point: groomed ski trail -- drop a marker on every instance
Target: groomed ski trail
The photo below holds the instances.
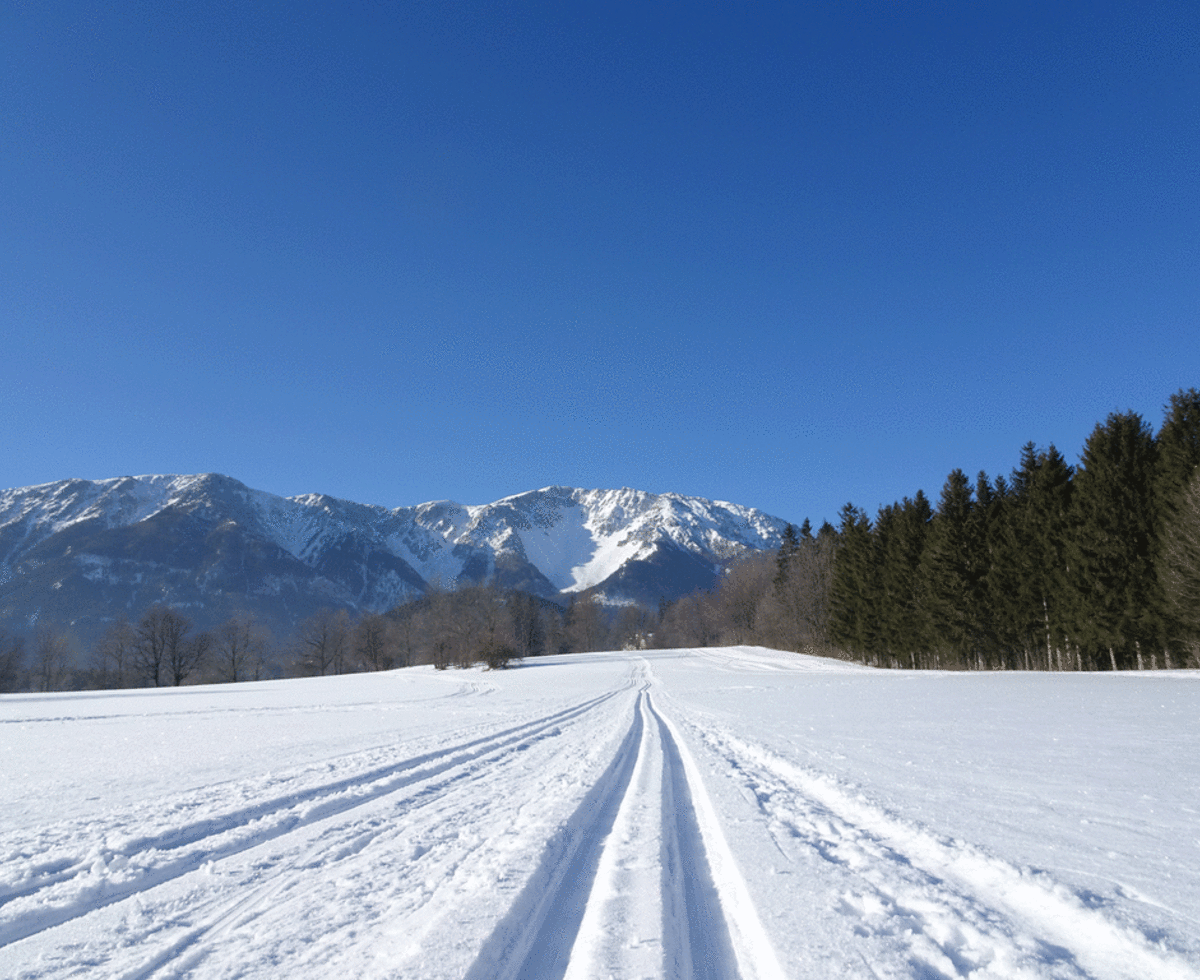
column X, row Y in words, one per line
column 960, row 911
column 639, row 883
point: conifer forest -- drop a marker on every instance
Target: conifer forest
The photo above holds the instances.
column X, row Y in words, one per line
column 1094, row 566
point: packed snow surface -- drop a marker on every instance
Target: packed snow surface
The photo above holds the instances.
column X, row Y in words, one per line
column 697, row 813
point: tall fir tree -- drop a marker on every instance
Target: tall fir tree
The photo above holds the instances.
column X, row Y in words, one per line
column 950, row 570
column 1178, row 448
column 1028, row 573
column 854, row 594
column 905, row 625
column 1178, row 569
column 1111, row 550
column 1178, row 459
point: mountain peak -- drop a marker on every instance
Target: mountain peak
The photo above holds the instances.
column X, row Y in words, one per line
column 86, row 551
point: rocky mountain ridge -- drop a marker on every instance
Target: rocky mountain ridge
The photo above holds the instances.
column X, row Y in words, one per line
column 83, row 552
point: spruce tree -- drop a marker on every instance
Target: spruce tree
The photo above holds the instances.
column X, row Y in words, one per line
column 1178, row 457
column 789, row 546
column 1112, row 546
column 906, row 630
column 853, row 596
column 1179, row 573
column 1028, row 573
column 950, row 572
column 991, row 612
column 1178, row 448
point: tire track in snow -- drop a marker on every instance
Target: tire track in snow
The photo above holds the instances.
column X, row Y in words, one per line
column 41, row 904
column 962, row 912
column 627, row 887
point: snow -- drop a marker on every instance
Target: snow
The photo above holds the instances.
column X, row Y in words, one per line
column 575, row 538
column 701, row 813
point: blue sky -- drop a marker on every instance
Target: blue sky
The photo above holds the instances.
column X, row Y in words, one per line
column 788, row 255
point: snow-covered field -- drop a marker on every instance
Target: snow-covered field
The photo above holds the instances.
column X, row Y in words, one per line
column 703, row 813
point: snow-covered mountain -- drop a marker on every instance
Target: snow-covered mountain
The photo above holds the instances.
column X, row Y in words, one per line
column 83, row 552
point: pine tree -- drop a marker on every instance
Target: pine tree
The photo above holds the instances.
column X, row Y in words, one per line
column 1178, row 448
column 1179, row 571
column 1178, row 457
column 950, row 572
column 1112, row 547
column 853, row 598
column 1026, row 577
column 789, row 546
column 904, row 625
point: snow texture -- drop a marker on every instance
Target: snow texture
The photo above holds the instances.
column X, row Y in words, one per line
column 697, row 813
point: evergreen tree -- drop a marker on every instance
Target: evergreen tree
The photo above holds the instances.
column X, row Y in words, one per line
column 853, row 599
column 1178, row 449
column 1178, row 457
column 1112, row 548
column 906, row 629
column 991, row 612
column 950, row 572
column 1031, row 572
column 1179, row 572
column 789, row 547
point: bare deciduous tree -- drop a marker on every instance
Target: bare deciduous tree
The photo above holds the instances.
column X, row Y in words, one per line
column 53, row 655
column 240, row 648
column 114, row 655
column 12, row 661
column 323, row 642
column 162, row 653
column 585, row 626
column 374, row 643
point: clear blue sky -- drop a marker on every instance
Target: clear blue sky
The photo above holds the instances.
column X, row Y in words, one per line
column 784, row 254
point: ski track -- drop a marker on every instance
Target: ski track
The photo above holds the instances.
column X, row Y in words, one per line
column 959, row 911
column 639, row 882
column 183, row 849
column 305, row 829
column 581, row 843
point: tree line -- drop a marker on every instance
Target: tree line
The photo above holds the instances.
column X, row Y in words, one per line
column 1056, row 567
column 458, row 627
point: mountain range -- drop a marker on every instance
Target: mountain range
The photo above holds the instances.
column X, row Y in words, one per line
column 82, row 553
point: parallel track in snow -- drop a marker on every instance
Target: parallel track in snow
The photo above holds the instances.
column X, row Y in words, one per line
column 638, row 882
column 59, row 894
column 960, row 912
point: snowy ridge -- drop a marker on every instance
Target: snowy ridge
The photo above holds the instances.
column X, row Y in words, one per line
column 625, row 543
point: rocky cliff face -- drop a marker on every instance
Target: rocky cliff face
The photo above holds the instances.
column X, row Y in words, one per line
column 85, row 552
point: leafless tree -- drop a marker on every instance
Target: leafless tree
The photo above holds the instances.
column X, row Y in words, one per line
column 115, row 654
column 528, row 624
column 324, row 642
column 739, row 598
column 240, row 648
column 795, row 610
column 374, row 642
column 692, row 621
column 585, row 626
column 186, row 657
column 634, row 628
column 12, row 661
column 53, row 655
column 164, row 652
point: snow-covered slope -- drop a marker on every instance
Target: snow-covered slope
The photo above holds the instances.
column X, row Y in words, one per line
column 208, row 542
column 735, row 813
